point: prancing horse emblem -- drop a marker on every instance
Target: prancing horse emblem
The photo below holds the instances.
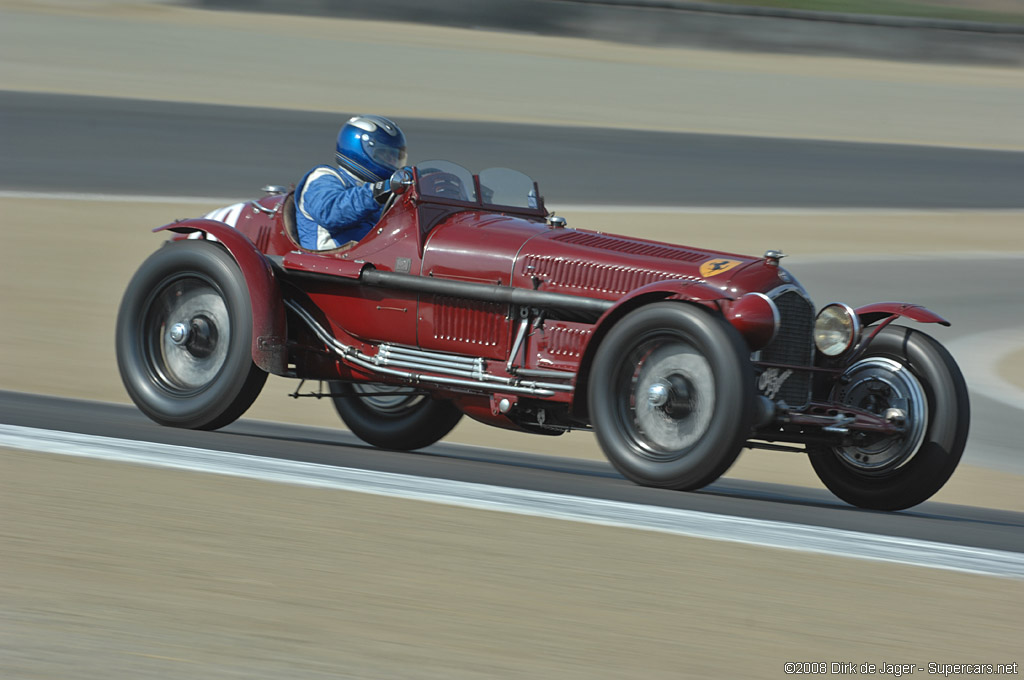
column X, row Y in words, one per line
column 717, row 266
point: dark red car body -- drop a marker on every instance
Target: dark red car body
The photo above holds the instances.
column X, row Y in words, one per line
column 502, row 309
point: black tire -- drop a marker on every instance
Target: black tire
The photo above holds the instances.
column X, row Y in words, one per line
column 207, row 379
column 900, row 472
column 393, row 417
column 700, row 366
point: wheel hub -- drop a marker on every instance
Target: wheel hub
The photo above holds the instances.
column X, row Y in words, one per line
column 190, row 334
column 658, row 394
column 674, row 393
column 202, row 337
column 887, row 388
column 178, row 334
column 198, row 336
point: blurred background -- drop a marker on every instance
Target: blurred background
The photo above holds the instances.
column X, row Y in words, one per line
column 879, row 144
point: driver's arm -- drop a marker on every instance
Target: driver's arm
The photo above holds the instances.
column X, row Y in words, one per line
column 335, row 206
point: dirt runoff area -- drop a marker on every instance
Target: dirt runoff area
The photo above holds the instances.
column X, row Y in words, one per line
column 123, row 572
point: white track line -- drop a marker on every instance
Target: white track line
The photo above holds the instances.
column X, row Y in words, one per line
column 690, row 523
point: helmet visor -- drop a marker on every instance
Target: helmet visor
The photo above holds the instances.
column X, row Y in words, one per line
column 389, row 156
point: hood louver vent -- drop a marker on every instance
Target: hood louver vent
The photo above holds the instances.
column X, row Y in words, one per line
column 590, row 277
column 621, row 245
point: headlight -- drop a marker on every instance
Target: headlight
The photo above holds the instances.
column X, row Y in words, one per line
column 835, row 329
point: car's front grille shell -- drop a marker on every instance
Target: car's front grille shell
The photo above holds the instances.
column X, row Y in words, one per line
column 793, row 345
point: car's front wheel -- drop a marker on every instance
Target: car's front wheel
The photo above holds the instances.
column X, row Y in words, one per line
column 393, row 417
column 184, row 338
column 908, row 376
column 671, row 395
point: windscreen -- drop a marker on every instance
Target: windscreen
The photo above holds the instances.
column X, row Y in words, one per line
column 502, row 186
column 444, row 179
column 499, row 187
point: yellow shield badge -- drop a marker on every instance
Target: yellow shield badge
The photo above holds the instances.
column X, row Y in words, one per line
column 717, row 266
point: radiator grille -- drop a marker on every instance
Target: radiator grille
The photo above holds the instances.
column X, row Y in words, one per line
column 793, row 346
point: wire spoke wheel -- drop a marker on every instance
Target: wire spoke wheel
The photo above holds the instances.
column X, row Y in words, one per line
column 393, row 416
column 387, row 399
column 908, row 377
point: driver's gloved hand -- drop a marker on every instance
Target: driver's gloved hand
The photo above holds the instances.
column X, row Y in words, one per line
column 381, row 191
column 399, row 181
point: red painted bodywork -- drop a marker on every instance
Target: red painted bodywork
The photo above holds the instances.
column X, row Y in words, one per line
column 478, row 244
column 880, row 310
column 755, row 317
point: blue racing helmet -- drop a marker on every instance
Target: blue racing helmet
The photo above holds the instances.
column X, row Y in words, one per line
column 370, row 147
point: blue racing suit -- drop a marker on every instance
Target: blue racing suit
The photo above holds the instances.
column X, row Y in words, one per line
column 333, row 207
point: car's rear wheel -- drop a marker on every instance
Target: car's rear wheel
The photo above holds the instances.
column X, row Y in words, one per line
column 184, row 338
column 671, row 396
column 910, row 376
column 392, row 416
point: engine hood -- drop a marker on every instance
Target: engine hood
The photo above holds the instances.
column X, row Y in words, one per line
column 506, row 251
column 580, row 262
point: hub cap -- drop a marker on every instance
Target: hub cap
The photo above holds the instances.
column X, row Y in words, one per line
column 188, row 333
column 671, row 396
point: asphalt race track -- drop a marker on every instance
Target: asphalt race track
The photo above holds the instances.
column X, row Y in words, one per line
column 87, row 144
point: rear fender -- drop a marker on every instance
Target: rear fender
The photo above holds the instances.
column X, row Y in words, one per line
column 869, row 314
column 269, row 330
column 688, row 292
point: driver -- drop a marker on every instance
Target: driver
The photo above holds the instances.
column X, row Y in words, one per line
column 334, row 206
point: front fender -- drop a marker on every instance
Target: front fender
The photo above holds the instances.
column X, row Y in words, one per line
column 869, row 314
column 687, row 291
column 269, row 330
column 693, row 292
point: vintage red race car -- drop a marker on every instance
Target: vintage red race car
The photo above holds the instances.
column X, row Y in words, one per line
column 469, row 298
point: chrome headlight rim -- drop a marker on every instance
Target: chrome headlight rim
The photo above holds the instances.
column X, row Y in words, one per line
column 853, row 323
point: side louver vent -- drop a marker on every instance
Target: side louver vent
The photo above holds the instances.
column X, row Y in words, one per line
column 575, row 275
column 568, row 342
column 468, row 321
